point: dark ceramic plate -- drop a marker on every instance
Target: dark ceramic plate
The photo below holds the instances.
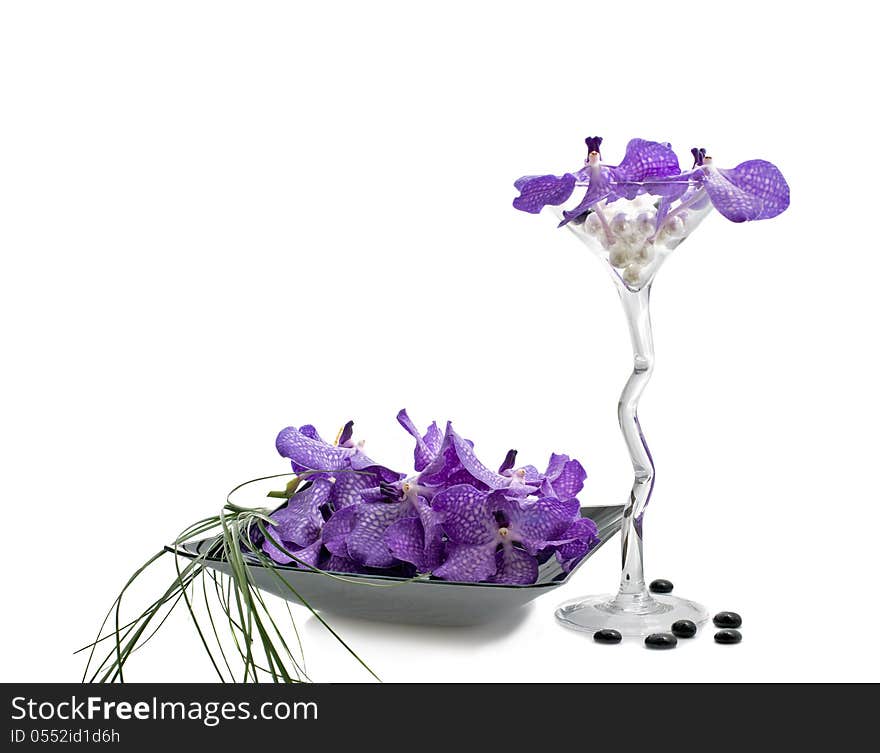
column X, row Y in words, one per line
column 395, row 599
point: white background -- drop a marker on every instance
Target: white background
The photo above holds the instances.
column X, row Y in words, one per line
column 218, row 219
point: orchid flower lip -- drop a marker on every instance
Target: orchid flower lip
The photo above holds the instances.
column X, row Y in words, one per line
column 344, row 436
column 509, row 460
column 593, row 144
column 699, row 154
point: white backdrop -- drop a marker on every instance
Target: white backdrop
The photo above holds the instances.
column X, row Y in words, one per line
column 218, row 219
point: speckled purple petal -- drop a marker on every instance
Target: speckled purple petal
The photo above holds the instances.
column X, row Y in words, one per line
column 582, row 528
column 349, row 487
column 569, row 480
column 514, row 566
column 360, row 462
column 433, row 438
column 535, row 522
column 556, row 464
column 468, row 563
column 427, row 446
column 336, row 564
column 538, row 191
column 308, row 554
column 431, row 519
column 406, row 540
column 646, row 159
column 306, row 453
column 582, row 536
column 366, row 542
column 311, row 432
column 470, row 462
column 466, row 514
column 599, row 187
column 753, row 190
column 336, row 530
column 568, row 555
column 275, row 553
column 456, row 463
column 300, row 520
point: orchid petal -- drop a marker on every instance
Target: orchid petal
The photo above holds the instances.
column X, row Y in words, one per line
column 569, row 480
column 753, row 190
column 428, row 446
column 337, row 529
column 349, row 487
column 599, row 188
column 366, row 544
column 407, row 541
column 646, row 159
column 300, row 520
column 468, row 563
column 466, row 514
column 535, row 523
column 514, row 566
column 306, row 453
column 538, row 191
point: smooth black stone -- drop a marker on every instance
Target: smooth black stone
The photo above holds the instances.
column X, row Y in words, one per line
column 607, row 636
column 661, row 640
column 684, row 629
column 661, row 586
column 728, row 636
column 727, row 620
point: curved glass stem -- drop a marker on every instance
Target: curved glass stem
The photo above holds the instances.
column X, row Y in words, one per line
column 633, row 260
column 638, row 317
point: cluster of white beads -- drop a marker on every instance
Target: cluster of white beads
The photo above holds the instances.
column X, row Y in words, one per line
column 626, row 230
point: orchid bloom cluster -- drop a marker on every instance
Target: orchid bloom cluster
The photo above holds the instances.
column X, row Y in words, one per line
column 647, row 204
column 454, row 518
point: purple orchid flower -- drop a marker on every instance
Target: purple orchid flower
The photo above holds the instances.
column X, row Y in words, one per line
column 391, row 524
column 574, row 543
column 753, row 190
column 643, row 161
column 564, row 477
column 494, row 537
column 427, row 446
column 354, row 515
column 456, row 463
column 344, row 462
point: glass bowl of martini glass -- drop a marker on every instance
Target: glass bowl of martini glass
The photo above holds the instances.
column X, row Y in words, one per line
column 633, row 215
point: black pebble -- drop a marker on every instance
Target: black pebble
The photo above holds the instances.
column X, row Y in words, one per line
column 661, row 586
column 727, row 620
column 728, row 636
column 661, row 640
column 607, row 636
column 684, row 629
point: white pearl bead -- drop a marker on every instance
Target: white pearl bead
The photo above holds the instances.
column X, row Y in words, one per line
column 593, row 225
column 645, row 254
column 618, row 257
column 645, row 224
column 632, row 274
column 674, row 227
column 619, row 224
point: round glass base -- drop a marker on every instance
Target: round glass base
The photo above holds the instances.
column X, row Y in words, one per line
column 631, row 615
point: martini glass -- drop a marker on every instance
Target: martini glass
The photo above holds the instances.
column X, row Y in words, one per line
column 633, row 238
